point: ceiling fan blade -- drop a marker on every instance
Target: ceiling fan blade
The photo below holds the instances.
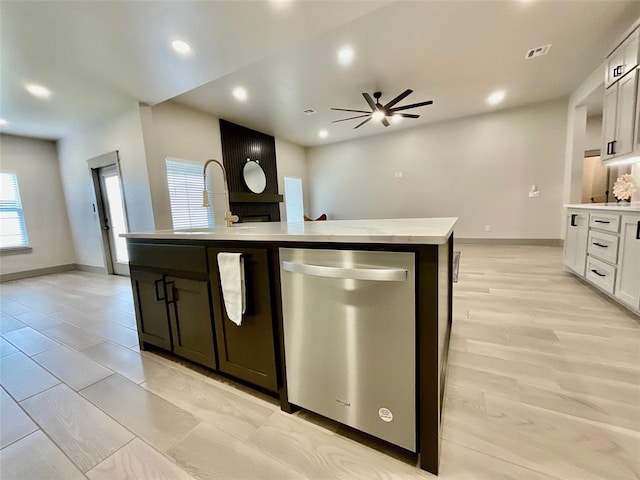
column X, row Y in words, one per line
column 408, row 115
column 360, row 124
column 349, row 110
column 370, row 101
column 385, row 122
column 350, row 118
column 399, row 98
column 413, row 105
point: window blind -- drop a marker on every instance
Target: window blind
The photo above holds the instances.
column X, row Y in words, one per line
column 186, row 184
column 13, row 232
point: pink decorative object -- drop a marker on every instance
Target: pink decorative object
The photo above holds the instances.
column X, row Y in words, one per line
column 624, row 187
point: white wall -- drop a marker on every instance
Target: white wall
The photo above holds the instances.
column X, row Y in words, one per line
column 36, row 165
column 122, row 133
column 593, row 134
column 173, row 130
column 291, row 162
column 478, row 169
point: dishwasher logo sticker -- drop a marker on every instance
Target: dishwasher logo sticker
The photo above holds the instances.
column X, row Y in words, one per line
column 385, row 414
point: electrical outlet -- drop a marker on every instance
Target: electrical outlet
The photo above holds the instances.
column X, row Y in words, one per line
column 534, row 194
column 399, row 175
column 487, row 228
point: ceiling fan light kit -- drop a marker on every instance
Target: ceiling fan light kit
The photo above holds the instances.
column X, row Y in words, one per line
column 380, row 112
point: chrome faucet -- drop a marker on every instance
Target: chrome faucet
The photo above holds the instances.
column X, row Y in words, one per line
column 229, row 217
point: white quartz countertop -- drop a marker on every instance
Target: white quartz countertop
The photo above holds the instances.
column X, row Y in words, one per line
column 622, row 206
column 426, row 231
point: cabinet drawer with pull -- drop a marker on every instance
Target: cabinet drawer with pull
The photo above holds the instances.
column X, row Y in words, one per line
column 605, row 221
column 601, row 274
column 604, row 246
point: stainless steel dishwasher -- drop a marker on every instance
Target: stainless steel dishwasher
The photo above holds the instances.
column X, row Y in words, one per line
column 349, row 334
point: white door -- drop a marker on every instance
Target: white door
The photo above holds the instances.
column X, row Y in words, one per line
column 575, row 241
column 609, row 120
column 114, row 222
column 628, row 275
column 625, row 114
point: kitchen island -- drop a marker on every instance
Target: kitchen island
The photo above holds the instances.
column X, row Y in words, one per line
column 361, row 309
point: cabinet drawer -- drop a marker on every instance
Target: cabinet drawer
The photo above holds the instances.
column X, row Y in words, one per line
column 187, row 258
column 601, row 274
column 605, row 221
column 604, row 246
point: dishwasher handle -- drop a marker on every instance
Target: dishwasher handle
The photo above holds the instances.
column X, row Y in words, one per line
column 348, row 273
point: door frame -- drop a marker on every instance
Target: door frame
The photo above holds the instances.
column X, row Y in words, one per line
column 95, row 164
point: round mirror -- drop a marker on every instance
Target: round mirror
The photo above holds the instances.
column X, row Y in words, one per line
column 254, row 177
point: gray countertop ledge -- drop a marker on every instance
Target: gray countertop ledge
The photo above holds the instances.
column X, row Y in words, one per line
column 421, row 231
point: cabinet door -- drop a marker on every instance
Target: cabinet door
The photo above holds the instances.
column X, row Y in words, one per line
column 247, row 351
column 609, row 114
column 575, row 241
column 628, row 274
column 151, row 309
column 191, row 323
column 625, row 114
column 614, row 64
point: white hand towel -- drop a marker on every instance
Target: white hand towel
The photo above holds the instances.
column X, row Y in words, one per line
column 231, row 267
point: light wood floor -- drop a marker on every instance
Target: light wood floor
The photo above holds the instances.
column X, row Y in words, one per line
column 543, row 383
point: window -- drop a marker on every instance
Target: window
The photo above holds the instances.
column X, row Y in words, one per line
column 13, row 232
column 186, row 184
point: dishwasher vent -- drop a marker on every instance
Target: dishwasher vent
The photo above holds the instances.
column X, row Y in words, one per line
column 538, row 52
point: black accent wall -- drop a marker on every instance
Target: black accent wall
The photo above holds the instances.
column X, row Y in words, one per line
column 238, row 144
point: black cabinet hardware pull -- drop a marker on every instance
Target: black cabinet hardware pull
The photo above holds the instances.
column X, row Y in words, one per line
column 602, row 221
column 158, row 298
column 573, row 219
column 600, row 245
column 171, row 290
column 638, row 232
column 598, row 273
column 613, row 147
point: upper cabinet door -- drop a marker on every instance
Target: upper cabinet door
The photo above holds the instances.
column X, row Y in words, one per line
column 609, row 115
column 623, row 59
column 625, row 114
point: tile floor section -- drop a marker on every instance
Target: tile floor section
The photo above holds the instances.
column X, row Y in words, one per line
column 543, row 383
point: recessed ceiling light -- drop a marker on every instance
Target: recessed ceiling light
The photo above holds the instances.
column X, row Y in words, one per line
column 240, row 93
column 181, row 47
column 345, row 55
column 3, row 122
column 377, row 115
column 323, row 134
column 496, row 97
column 38, row 90
column 396, row 118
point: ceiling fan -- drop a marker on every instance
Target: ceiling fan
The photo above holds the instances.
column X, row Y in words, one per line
column 381, row 112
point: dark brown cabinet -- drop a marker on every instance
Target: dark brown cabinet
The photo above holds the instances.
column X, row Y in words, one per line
column 151, row 308
column 247, row 351
column 173, row 299
column 190, row 317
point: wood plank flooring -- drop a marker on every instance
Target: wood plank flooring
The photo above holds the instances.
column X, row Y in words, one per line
column 543, row 383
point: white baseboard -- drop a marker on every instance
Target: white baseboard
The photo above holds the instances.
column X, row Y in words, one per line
column 549, row 242
column 7, row 277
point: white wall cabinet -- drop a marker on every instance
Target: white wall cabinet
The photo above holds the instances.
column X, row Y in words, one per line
column 575, row 243
column 618, row 117
column 627, row 288
column 623, row 59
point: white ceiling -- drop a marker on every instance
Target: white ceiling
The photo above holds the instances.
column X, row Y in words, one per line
column 98, row 57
